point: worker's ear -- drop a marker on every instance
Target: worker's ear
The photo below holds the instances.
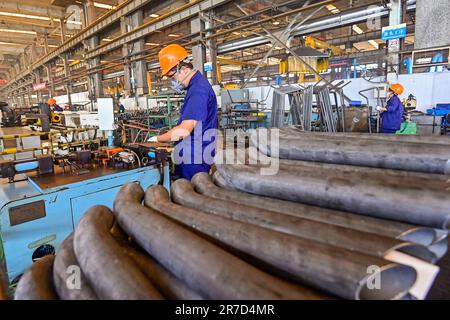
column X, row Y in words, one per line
column 183, row 72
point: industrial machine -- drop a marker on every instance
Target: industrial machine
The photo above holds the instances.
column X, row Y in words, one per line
column 43, row 198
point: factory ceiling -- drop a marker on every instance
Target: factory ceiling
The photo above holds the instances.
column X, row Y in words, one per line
column 31, row 29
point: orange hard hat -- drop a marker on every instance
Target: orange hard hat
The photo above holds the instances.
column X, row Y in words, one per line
column 397, row 89
column 51, row 102
column 171, row 56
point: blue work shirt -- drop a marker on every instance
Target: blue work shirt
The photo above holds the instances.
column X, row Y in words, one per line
column 200, row 104
column 392, row 118
column 57, row 108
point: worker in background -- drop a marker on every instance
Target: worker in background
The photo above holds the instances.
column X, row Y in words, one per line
column 198, row 114
column 55, row 107
column 121, row 104
column 392, row 114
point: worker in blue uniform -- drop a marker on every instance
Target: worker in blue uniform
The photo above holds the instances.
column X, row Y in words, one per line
column 196, row 131
column 55, row 107
column 392, row 114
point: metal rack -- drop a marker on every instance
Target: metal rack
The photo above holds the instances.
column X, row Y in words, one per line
column 326, row 101
column 240, row 117
column 166, row 105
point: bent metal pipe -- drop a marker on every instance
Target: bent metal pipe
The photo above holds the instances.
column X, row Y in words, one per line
column 420, row 207
column 297, row 256
column 388, row 228
column 221, row 275
column 368, row 243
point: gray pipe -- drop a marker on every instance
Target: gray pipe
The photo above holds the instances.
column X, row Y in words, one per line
column 361, row 152
column 209, row 270
column 65, row 258
column 110, row 272
column 295, row 131
column 439, row 248
column 320, row 24
column 422, row 208
column 367, row 243
column 341, row 272
column 388, row 228
column 394, row 178
column 220, row 181
column 170, row 286
column 37, row 283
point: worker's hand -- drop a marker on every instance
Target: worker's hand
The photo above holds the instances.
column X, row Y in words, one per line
column 153, row 139
column 379, row 109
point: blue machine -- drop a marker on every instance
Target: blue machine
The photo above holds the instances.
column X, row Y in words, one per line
column 38, row 213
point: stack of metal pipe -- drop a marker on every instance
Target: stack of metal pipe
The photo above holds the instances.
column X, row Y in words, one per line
column 341, row 178
column 207, row 242
column 406, row 153
column 165, row 260
column 311, row 230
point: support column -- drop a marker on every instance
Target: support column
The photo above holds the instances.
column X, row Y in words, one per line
column 89, row 12
column 432, row 24
column 46, row 43
column 23, row 61
column 199, row 50
column 95, row 85
column 68, row 85
column 211, row 52
column 63, row 31
column 125, row 27
column 64, row 58
column 393, row 65
column 135, row 73
column 30, row 100
column 51, row 88
column 38, row 93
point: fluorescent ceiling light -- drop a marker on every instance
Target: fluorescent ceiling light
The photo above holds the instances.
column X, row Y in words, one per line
column 358, row 30
column 333, row 9
column 275, row 23
column 151, row 44
column 11, row 44
column 29, row 16
column 17, row 31
column 72, row 22
column 173, row 35
column 20, row 15
column 52, row 46
column 107, row 39
column 103, row 5
column 154, row 15
column 374, row 43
